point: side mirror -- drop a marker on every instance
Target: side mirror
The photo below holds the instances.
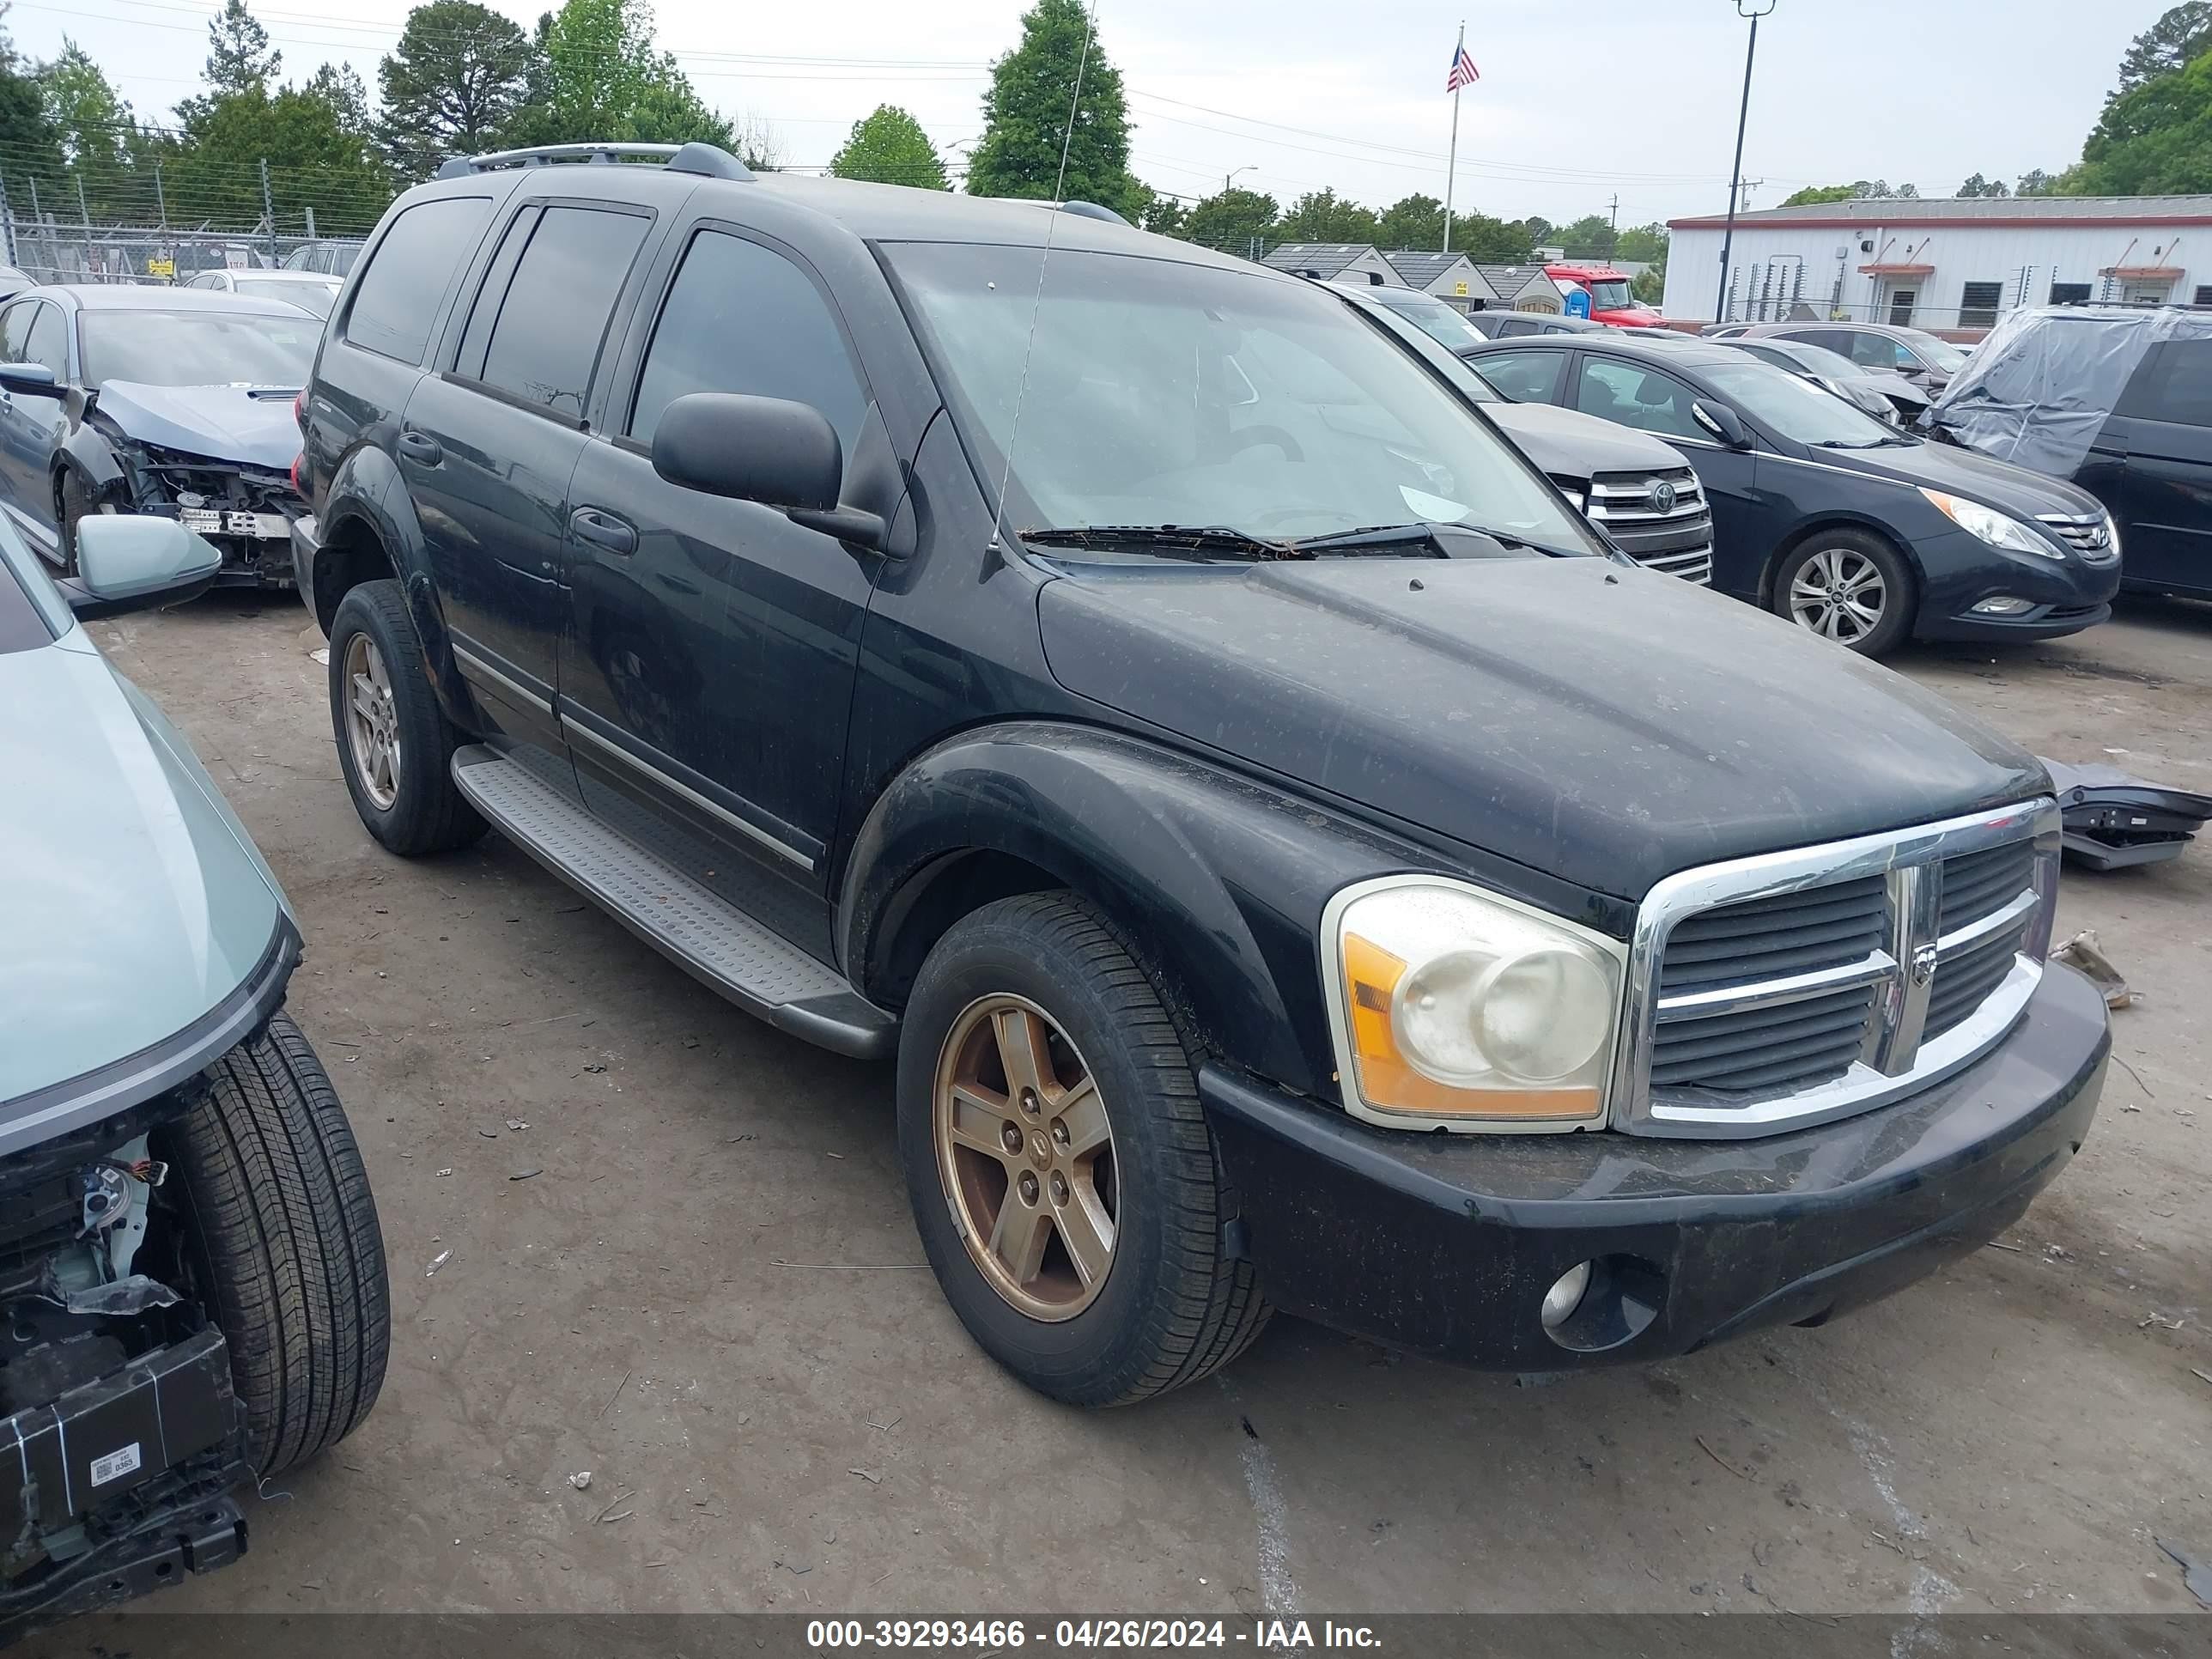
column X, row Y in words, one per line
column 35, row 379
column 127, row 563
column 1722, row 422
column 769, row 450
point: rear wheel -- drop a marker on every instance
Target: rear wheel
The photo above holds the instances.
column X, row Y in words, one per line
column 1848, row 586
column 395, row 744
column 285, row 1240
column 1060, row 1167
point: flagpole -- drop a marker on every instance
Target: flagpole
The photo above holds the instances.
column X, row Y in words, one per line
column 1451, row 165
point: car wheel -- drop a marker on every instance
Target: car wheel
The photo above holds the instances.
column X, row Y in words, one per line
column 1060, row 1167
column 395, row 744
column 74, row 501
column 1847, row 586
column 283, row 1244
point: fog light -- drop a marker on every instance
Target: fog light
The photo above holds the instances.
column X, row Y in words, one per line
column 2004, row 607
column 1566, row 1295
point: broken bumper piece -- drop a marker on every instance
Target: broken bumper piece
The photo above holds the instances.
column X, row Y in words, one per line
column 116, row 1487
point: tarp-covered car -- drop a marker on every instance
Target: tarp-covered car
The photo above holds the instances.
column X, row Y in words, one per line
column 173, row 402
column 2118, row 401
column 192, row 1286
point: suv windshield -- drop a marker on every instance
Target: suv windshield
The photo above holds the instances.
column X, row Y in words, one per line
column 1798, row 409
column 197, row 347
column 1157, row 392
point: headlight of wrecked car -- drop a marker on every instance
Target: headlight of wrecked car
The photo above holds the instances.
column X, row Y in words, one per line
column 1987, row 524
column 1458, row 1008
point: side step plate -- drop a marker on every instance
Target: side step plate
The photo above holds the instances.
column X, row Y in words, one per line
column 700, row 932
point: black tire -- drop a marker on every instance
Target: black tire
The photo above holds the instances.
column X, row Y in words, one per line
column 428, row 813
column 73, row 500
column 1172, row 1307
column 284, row 1242
column 1899, row 588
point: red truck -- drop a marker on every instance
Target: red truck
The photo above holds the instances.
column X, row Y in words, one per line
column 1610, row 300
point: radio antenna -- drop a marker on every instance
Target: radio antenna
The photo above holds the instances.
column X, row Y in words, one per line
column 1036, row 300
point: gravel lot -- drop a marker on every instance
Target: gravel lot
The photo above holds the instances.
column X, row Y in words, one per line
column 704, row 1294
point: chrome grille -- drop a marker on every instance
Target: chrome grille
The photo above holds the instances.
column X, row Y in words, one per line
column 2090, row 534
column 1661, row 520
column 1799, row 986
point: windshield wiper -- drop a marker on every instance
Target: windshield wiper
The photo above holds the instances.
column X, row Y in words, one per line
column 1837, row 443
column 1215, row 540
column 1448, row 538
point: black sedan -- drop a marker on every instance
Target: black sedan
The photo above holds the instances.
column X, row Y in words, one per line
column 1850, row 527
column 126, row 398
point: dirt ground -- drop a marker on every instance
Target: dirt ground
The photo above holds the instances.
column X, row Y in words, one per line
column 705, row 1292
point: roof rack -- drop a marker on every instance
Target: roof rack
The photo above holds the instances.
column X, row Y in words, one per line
column 710, row 161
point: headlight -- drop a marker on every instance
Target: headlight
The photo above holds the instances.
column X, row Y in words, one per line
column 1989, row 524
column 1458, row 1008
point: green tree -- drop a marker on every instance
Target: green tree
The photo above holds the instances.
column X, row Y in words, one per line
column 339, row 85
column 2166, row 48
column 889, row 148
column 1233, row 220
column 1590, row 237
column 316, row 158
column 94, row 127
column 2154, row 141
column 1413, row 221
column 239, row 53
column 451, row 86
column 1492, row 241
column 1978, row 185
column 1650, row 286
column 1026, row 110
column 2035, row 182
column 603, row 78
column 1538, row 229
column 30, row 144
column 1322, row 215
column 1815, row 195
column 1643, row 244
column 1166, row 216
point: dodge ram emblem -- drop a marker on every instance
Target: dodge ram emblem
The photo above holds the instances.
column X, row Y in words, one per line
column 1923, row 962
column 1662, row 497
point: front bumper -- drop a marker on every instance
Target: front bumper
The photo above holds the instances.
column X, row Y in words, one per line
column 140, row 1460
column 2063, row 596
column 307, row 542
column 1447, row 1243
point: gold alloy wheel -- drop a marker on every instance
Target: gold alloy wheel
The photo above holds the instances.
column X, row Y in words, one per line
column 372, row 721
column 1026, row 1157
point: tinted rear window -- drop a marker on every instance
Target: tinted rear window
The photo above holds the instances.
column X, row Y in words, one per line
column 555, row 311
column 2174, row 383
column 405, row 282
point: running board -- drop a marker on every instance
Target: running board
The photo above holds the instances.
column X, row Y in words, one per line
column 718, row 945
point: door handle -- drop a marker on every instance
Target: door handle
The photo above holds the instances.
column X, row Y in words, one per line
column 413, row 447
column 603, row 530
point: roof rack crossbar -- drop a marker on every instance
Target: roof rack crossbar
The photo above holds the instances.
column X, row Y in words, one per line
column 709, row 160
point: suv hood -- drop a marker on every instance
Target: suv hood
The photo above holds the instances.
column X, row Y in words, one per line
column 134, row 902
column 250, row 425
column 1603, row 725
column 1967, row 472
column 1568, row 443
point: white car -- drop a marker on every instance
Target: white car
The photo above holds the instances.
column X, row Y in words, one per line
column 310, row 291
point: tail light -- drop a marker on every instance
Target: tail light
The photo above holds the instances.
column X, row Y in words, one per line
column 298, row 489
column 300, row 412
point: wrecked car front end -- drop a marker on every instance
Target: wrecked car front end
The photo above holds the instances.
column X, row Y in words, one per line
column 217, row 458
column 116, row 1399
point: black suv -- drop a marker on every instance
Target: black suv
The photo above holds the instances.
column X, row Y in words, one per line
column 1293, row 860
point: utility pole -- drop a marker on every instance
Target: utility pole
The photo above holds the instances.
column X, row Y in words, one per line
column 160, row 197
column 84, row 213
column 1230, row 179
column 1613, row 213
column 268, row 208
column 1754, row 12
column 7, row 225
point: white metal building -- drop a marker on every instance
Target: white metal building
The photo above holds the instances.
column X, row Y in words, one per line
column 1943, row 265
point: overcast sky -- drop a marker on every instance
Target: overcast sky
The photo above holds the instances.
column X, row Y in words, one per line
column 1598, row 96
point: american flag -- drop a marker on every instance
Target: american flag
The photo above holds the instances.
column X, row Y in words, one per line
column 1463, row 71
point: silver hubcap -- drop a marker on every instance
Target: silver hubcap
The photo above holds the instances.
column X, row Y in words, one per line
column 1839, row 595
column 372, row 721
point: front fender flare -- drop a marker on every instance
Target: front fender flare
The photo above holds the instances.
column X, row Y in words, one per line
column 367, row 495
column 1216, row 881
